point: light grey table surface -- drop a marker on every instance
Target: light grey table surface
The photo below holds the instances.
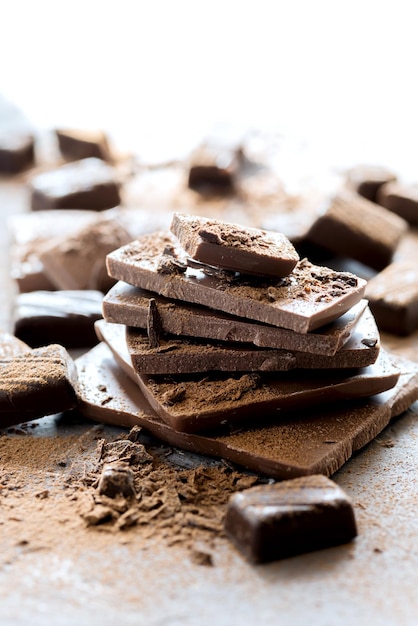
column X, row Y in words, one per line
column 124, row 581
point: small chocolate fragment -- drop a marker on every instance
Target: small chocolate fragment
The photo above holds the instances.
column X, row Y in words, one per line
column 184, row 356
column 116, row 480
column 125, row 304
column 213, row 168
column 393, row 296
column 17, row 151
column 310, row 297
column 357, row 228
column 367, row 180
column 75, row 144
column 193, row 403
column 36, row 383
column 64, row 317
column 271, row 522
column 78, row 261
column 86, row 184
column 237, row 248
column 400, row 199
column 305, row 442
column 153, row 324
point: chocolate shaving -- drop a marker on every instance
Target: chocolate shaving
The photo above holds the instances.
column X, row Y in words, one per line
column 154, row 326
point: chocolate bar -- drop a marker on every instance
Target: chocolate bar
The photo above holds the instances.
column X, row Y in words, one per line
column 36, row 383
column 125, row 304
column 276, row 521
column 75, row 144
column 199, row 402
column 17, row 151
column 78, row 261
column 312, row 441
column 393, row 295
column 367, row 180
column 64, row 317
column 236, row 248
column 87, row 184
column 352, row 226
column 171, row 355
column 310, row 297
column 400, row 199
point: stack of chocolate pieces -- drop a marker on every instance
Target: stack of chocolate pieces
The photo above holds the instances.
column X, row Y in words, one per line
column 225, row 342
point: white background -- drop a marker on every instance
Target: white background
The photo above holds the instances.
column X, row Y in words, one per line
column 340, row 75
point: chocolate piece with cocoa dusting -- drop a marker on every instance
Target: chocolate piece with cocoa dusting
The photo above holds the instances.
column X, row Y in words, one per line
column 305, row 442
column 78, row 260
column 17, row 151
column 64, row 317
column 401, row 199
column 174, row 355
column 36, row 383
column 199, row 402
column 270, row 522
column 213, row 168
column 85, row 184
column 75, row 144
column 233, row 247
column 125, row 304
column 393, row 295
column 352, row 226
column 367, row 180
column 310, row 297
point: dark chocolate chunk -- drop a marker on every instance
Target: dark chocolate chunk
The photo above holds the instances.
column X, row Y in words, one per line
column 393, row 296
column 78, row 260
column 305, row 442
column 36, row 383
column 178, row 355
column 116, row 480
column 400, row 199
column 153, row 324
column 125, row 304
column 64, row 317
column 310, row 297
column 17, row 151
column 213, row 168
column 237, row 248
column 367, row 180
column 271, row 522
column 85, row 184
column 199, row 402
column 75, row 144
column 357, row 228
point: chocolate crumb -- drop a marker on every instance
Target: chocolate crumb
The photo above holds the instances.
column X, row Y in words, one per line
column 154, row 326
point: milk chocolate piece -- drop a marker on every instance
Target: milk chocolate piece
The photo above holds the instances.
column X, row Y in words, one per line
column 312, row 441
column 36, row 383
column 75, row 144
column 125, row 304
column 85, row 184
column 199, row 402
column 393, row 295
column 400, row 199
column 30, row 233
column 310, row 297
column 271, row 522
column 357, row 228
column 78, row 261
column 213, row 168
column 367, row 180
column 183, row 356
column 17, row 151
column 237, row 248
column 64, row 317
